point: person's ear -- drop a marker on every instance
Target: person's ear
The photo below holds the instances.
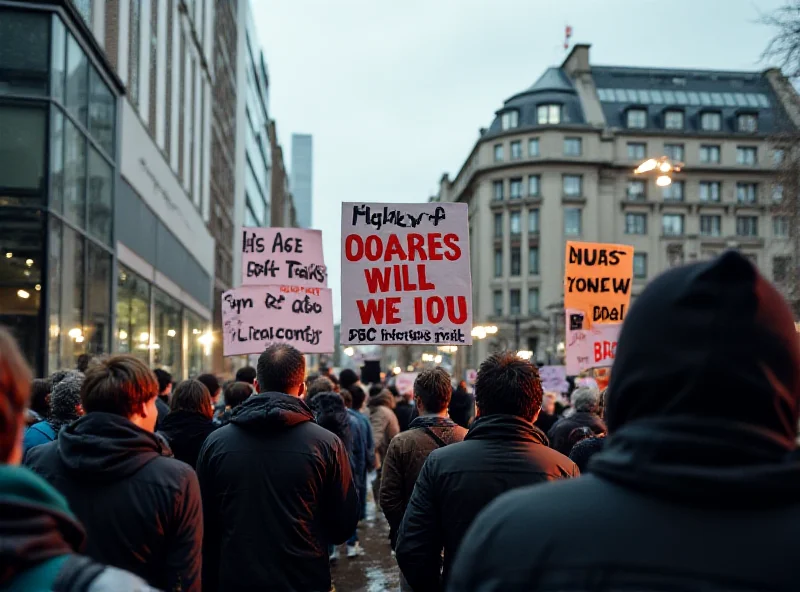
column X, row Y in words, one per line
column 302, row 390
column 536, row 415
column 256, row 386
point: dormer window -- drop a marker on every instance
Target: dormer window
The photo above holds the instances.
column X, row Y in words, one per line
column 747, row 122
column 509, row 119
column 636, row 118
column 711, row 121
column 548, row 114
column 673, row 119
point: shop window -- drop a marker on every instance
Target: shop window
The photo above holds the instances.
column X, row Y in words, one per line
column 198, row 344
column 71, row 331
column 167, row 333
column 101, row 112
column 74, row 175
column 77, row 81
column 133, row 315
column 54, row 289
column 22, row 155
column 100, row 196
column 97, row 325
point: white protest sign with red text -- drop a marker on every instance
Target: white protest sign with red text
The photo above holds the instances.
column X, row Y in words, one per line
column 255, row 316
column 594, row 347
column 406, row 274
column 283, row 256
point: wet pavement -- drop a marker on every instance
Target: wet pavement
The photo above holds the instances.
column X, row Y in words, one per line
column 375, row 570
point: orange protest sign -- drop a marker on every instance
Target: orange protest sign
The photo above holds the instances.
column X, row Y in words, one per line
column 597, row 281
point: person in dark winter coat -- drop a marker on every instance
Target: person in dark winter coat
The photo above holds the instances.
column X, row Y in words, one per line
column 462, row 406
column 65, row 403
column 234, row 394
column 164, row 391
column 585, row 402
column 384, row 427
column 277, row 488
column 547, row 416
column 693, row 482
column 189, row 421
column 408, row 450
column 501, row 451
column 363, row 443
column 39, row 409
column 141, row 510
column 583, row 451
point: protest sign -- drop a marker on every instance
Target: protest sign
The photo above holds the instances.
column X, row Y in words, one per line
column 597, row 281
column 404, row 382
column 554, row 379
column 406, row 274
column 255, row 316
column 471, row 376
column 592, row 347
column 283, row 256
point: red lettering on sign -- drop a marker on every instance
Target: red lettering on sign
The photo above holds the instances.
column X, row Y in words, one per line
column 451, row 241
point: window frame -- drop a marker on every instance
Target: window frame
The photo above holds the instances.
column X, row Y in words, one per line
column 572, row 176
column 636, row 111
column 549, row 109
column 509, row 119
column 752, row 225
column 718, row 225
column 709, row 185
column 516, row 154
column 709, row 149
column 642, row 257
column 632, row 220
column 674, row 112
column 679, row 217
column 580, row 221
column 636, row 146
column 499, row 153
column 718, row 118
column 573, row 141
column 747, row 129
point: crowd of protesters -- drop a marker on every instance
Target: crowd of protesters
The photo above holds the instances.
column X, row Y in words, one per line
column 663, row 480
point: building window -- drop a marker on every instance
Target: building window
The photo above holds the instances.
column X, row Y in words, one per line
column 515, row 223
column 636, row 150
column 515, row 302
column 498, row 190
column 637, row 190
column 781, row 268
column 77, row 97
column 673, row 120
column 710, row 225
column 516, row 150
column 167, row 333
column 746, row 193
column 498, row 225
column 197, row 351
column 548, row 114
column 85, row 10
column 572, row 221
column 516, row 261
column 709, row 154
column 777, row 193
column 498, row 263
column 747, row 226
column 636, row 118
column 135, row 23
column 498, row 153
column 747, row 122
column 672, row 224
column 515, row 188
column 777, row 156
column 533, row 301
column 133, row 315
column 533, row 222
column 573, row 185
column 534, row 185
column 640, row 265
column 533, row 147
column 746, row 155
column 533, row 261
column 102, row 109
column 674, row 152
column 780, row 227
column 573, row 147
column 635, row 223
column 711, row 121
column 710, row 191
column 674, row 191
column 24, row 60
column 497, row 303
column 509, row 119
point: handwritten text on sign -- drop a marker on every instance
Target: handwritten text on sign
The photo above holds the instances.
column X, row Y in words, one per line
column 592, row 347
column 405, row 274
column 597, row 280
column 283, row 256
column 254, row 317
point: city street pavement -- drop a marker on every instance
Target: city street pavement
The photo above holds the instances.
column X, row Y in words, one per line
column 376, row 570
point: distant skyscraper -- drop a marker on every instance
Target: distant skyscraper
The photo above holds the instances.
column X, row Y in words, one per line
column 301, row 178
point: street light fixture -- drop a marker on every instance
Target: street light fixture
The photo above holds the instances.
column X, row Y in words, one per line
column 481, row 331
column 525, row 354
column 663, row 168
column 349, row 352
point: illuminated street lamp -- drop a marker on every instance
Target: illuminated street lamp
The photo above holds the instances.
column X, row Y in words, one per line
column 525, row 354
column 481, row 331
column 349, row 351
column 662, row 168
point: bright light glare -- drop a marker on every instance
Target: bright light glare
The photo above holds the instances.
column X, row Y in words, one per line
column 144, row 336
column 75, row 333
column 410, row 368
column 397, row 370
column 665, row 167
column 437, row 359
column 38, row 287
column 647, row 165
column 171, row 333
column 663, row 181
column 349, row 351
column 29, row 262
column 23, row 294
column 79, row 339
column 9, row 255
column 123, row 335
column 525, row 354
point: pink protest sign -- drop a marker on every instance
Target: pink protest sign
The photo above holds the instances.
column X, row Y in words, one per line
column 595, row 347
column 255, row 316
column 284, row 256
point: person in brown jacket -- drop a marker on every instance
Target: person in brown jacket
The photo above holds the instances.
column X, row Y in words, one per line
column 384, row 427
column 407, row 451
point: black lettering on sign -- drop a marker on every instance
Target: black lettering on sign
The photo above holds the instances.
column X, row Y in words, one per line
column 290, row 245
column 312, row 271
column 398, row 218
column 362, row 334
column 268, row 269
column 306, row 306
column 599, row 285
column 615, row 314
column 238, row 304
column 591, row 257
column 251, row 243
column 575, row 322
column 274, row 302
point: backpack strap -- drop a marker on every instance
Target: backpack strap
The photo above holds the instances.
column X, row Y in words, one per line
column 439, row 442
column 77, row 574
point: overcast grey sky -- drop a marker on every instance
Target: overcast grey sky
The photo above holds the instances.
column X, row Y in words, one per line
column 394, row 92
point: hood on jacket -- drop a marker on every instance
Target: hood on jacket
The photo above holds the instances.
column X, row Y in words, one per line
column 183, row 424
column 505, row 427
column 106, row 447
column 384, row 398
column 706, row 376
column 35, row 523
column 271, row 411
column 331, row 414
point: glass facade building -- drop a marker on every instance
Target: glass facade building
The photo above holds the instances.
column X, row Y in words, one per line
column 257, row 150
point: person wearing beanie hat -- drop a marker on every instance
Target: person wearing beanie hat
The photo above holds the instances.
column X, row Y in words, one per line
column 65, row 407
column 693, row 486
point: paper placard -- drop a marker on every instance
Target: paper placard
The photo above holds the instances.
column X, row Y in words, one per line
column 406, row 274
column 554, row 379
column 593, row 347
column 597, row 280
column 471, row 376
column 405, row 382
column 255, row 316
column 283, row 256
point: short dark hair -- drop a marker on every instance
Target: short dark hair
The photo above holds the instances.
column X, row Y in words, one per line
column 320, row 385
column 118, row 385
column 83, row 363
column 347, row 378
column 40, row 389
column 281, row 368
column 236, row 393
column 210, row 382
column 433, row 388
column 358, row 396
column 246, row 374
column 346, row 397
column 509, row 385
column 15, row 384
column 164, row 379
column 375, row 389
column 192, row 395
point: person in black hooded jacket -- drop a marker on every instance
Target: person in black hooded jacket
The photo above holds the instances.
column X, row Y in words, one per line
column 692, row 488
column 501, row 451
column 141, row 510
column 277, row 488
column 189, row 421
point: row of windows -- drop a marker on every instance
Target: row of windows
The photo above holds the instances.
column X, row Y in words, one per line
column 710, row 121
column 515, row 302
column 679, row 97
column 709, row 191
column 516, row 149
column 572, row 186
column 548, row 114
column 515, row 223
column 710, row 225
column 516, row 261
column 708, row 153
